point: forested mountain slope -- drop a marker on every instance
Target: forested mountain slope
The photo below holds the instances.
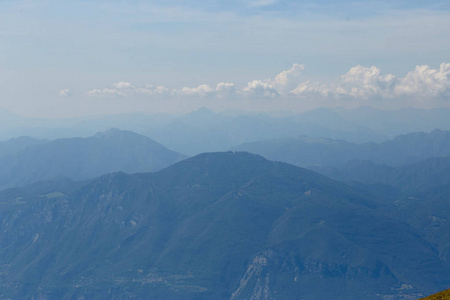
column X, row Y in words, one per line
column 216, row 226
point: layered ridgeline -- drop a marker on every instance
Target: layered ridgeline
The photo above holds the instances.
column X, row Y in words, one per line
column 83, row 158
column 409, row 162
column 199, row 131
column 15, row 145
column 216, row 226
column 426, row 174
column 311, row 151
column 206, row 131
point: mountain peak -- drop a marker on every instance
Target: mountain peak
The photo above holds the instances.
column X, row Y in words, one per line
column 113, row 132
column 438, row 131
column 230, row 158
column 202, row 111
column 83, row 158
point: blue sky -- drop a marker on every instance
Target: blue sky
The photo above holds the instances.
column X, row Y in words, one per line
column 66, row 58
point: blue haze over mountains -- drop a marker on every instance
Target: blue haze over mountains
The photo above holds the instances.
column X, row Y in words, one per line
column 81, row 158
column 206, row 131
column 91, row 211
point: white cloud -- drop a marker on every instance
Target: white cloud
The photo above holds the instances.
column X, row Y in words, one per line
column 260, row 88
column 309, row 89
column 426, row 82
column 152, row 90
column 225, row 89
column 358, row 84
column 222, row 90
column 123, row 85
column 283, row 82
column 289, row 77
column 64, row 93
column 106, row 92
column 202, row 90
column 362, row 82
column 124, row 89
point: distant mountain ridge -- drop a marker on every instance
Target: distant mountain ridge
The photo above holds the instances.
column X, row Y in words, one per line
column 18, row 144
column 204, row 130
column 83, row 158
column 307, row 151
column 415, row 177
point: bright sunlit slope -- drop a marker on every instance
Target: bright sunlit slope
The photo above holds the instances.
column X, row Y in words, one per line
column 444, row 295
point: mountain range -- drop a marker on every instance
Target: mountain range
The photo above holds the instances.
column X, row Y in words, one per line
column 204, row 130
column 414, row 177
column 218, row 226
column 311, row 151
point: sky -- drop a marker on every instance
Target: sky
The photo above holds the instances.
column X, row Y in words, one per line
column 63, row 59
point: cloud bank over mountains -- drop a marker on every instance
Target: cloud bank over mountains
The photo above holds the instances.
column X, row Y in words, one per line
column 360, row 83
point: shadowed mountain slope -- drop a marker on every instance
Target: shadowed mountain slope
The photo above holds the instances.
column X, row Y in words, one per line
column 216, row 226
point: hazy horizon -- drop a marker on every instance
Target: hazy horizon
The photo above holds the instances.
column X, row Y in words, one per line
column 68, row 59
